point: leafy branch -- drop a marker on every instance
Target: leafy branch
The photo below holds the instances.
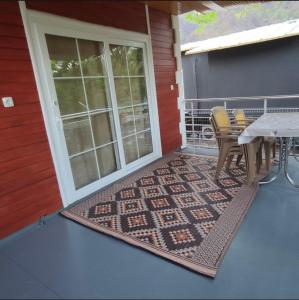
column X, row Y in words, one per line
column 202, row 20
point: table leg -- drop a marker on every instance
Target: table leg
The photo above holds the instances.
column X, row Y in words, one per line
column 285, row 146
column 289, row 145
column 281, row 155
column 294, row 150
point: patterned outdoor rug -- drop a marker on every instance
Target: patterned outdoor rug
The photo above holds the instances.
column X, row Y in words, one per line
column 174, row 209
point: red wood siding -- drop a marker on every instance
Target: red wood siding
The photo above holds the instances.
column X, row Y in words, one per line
column 162, row 36
column 127, row 15
column 28, row 185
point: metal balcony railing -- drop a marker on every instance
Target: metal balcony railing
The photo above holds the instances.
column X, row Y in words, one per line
column 198, row 130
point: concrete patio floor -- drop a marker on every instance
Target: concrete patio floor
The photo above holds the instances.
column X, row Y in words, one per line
column 62, row 259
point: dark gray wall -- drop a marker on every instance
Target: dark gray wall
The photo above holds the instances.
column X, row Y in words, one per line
column 189, row 65
column 269, row 68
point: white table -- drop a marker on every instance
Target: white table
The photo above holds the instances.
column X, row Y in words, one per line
column 284, row 126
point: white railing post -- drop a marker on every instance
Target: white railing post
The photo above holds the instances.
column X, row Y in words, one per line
column 225, row 104
column 265, row 106
column 193, row 127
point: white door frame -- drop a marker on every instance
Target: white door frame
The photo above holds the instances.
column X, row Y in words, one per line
column 36, row 25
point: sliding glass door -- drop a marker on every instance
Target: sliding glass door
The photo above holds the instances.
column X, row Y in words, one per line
column 132, row 102
column 105, row 114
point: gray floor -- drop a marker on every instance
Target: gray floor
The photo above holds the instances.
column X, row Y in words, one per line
column 63, row 259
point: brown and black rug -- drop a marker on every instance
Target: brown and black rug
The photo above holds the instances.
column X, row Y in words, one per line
column 174, row 209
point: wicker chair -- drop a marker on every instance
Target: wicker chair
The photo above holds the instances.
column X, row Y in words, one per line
column 268, row 142
column 226, row 135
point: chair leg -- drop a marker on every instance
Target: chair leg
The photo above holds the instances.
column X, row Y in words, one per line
column 221, row 159
column 251, row 171
column 274, row 149
column 229, row 161
column 267, row 148
column 239, row 159
column 259, row 156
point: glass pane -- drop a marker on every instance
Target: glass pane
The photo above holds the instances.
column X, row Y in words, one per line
column 63, row 56
column 145, row 145
column 138, row 90
column 135, row 61
column 122, row 89
column 130, row 148
column 97, row 94
column 142, row 119
column 126, row 118
column 118, row 59
column 108, row 159
column 77, row 135
column 92, row 57
column 70, row 96
column 84, row 168
column 103, row 129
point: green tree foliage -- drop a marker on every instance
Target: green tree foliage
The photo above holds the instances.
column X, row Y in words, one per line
column 248, row 9
column 196, row 26
column 202, row 20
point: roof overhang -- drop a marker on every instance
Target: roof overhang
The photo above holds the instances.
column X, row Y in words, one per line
column 181, row 7
column 252, row 36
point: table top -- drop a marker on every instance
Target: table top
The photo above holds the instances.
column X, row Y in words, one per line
column 272, row 125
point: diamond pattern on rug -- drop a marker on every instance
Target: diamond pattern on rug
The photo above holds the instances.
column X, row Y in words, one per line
column 202, row 168
column 176, row 163
column 172, row 207
column 177, row 188
column 110, row 222
column 200, row 214
column 163, row 171
column 228, row 182
column 211, row 174
column 136, row 221
column 233, row 191
column 216, row 196
column 147, row 181
column 131, row 206
column 162, row 202
column 103, row 209
column 181, row 237
column 128, row 193
column 192, row 177
column 149, row 236
column 205, row 227
column 169, row 217
column 187, row 200
column 184, row 170
column 203, row 185
column 236, row 172
column 186, row 252
column 152, row 191
column 220, row 207
column 170, row 178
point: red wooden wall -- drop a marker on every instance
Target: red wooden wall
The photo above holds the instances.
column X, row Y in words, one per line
column 28, row 185
column 129, row 15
